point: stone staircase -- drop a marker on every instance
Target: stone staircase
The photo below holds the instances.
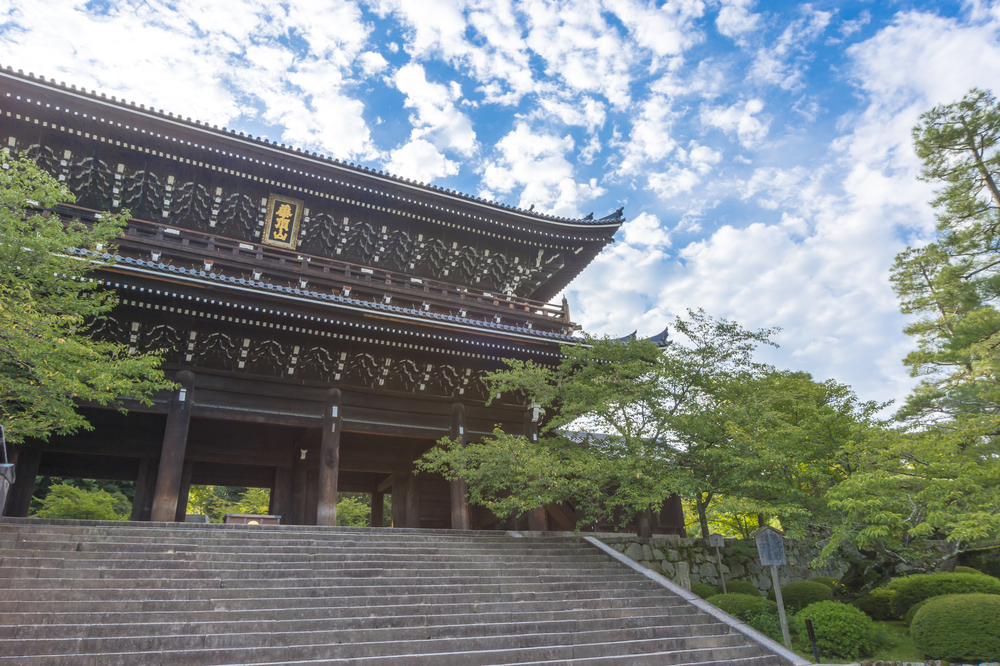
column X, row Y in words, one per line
column 92, row 593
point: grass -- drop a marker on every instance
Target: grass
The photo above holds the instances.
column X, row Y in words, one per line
column 898, row 643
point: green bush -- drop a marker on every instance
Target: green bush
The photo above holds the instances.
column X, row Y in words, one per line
column 740, row 587
column 916, row 588
column 800, row 593
column 702, row 590
column 969, row 570
column 841, row 630
column 825, row 580
column 743, row 606
column 908, row 618
column 66, row 501
column 877, row 604
column 959, row 627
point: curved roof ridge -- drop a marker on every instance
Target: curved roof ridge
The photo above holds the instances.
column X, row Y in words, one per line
column 616, row 217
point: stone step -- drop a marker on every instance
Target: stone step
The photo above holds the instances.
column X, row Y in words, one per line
column 102, row 594
column 78, row 625
column 22, row 640
column 308, row 606
column 254, row 648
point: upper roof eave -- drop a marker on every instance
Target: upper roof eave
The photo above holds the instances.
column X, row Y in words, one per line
column 612, row 221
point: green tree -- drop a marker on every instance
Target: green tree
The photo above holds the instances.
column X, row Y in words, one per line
column 655, row 420
column 65, row 500
column 937, row 475
column 48, row 362
column 953, row 283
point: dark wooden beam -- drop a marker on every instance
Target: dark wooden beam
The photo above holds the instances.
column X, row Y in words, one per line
column 168, row 480
column 25, row 472
column 329, row 460
column 459, row 488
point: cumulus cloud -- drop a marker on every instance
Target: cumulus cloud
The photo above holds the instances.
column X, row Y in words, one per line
column 214, row 60
column 645, row 230
column 819, row 265
column 736, row 19
column 740, row 118
column 537, row 162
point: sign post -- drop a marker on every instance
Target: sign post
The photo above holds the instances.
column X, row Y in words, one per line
column 715, row 541
column 6, row 473
column 771, row 548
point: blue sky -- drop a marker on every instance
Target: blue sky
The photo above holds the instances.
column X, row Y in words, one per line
column 761, row 149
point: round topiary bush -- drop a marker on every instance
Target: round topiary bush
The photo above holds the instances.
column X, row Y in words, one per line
column 702, row 590
column 800, row 593
column 743, row 606
column 841, row 630
column 740, row 587
column 959, row 627
column 825, row 580
column 970, row 570
column 908, row 618
column 877, row 604
column 916, row 588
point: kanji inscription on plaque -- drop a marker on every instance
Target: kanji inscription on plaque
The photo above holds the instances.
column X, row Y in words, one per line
column 284, row 215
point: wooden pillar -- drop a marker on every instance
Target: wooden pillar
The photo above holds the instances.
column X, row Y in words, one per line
column 25, row 472
column 168, row 477
column 378, row 503
column 459, row 488
column 300, row 478
column 399, row 483
column 281, row 495
column 329, row 460
column 537, row 519
column 672, row 516
column 184, row 491
column 145, row 482
column 412, row 500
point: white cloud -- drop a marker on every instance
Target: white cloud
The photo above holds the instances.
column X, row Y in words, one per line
column 214, row 60
column 645, row 230
column 739, row 118
column 819, row 266
column 537, row 162
column 372, row 62
column 650, row 139
column 420, row 160
column 784, row 63
column 435, row 118
column 735, row 18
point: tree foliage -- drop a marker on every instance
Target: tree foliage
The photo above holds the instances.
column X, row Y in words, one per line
column 48, row 362
column 66, row 500
column 937, row 475
column 628, row 424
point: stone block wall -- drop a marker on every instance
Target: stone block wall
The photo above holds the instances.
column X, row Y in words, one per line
column 739, row 559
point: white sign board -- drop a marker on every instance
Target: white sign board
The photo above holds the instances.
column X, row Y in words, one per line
column 715, row 541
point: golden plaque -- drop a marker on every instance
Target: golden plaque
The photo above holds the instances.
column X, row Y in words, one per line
column 284, row 215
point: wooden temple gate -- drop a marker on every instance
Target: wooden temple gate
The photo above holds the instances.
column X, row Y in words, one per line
column 326, row 323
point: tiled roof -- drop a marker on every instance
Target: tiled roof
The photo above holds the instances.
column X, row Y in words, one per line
column 614, row 218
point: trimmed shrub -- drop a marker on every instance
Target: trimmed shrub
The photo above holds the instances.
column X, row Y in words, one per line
column 825, row 580
column 908, row 618
column 743, row 606
column 702, row 590
column 841, row 630
column 961, row 569
column 913, row 589
column 877, row 604
column 800, row 593
column 959, row 627
column 740, row 587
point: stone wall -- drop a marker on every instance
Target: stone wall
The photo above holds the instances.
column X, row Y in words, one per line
column 662, row 552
